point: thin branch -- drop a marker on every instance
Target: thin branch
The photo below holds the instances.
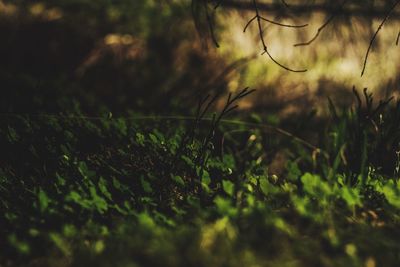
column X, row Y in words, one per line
column 249, row 22
column 376, row 34
column 273, row 22
column 320, row 29
column 210, row 23
column 261, row 34
column 398, row 39
column 357, row 10
column 318, row 32
column 279, row 64
column 284, row 25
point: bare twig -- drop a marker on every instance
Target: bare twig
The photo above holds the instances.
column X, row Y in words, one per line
column 273, row 22
column 398, row 39
column 357, row 10
column 249, row 22
column 203, row 19
column 279, row 64
column 284, row 25
column 318, row 32
column 320, row 29
column 392, row 8
column 210, row 23
column 259, row 19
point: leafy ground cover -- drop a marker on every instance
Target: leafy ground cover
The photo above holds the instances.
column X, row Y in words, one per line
column 219, row 186
column 200, row 191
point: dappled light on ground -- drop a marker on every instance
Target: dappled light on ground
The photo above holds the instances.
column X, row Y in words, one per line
column 128, row 139
column 334, row 60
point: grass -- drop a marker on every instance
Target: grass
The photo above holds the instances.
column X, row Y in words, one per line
column 105, row 191
column 205, row 186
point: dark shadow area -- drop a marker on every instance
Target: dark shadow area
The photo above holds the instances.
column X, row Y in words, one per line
column 97, row 60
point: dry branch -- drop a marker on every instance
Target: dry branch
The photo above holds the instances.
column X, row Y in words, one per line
column 392, row 8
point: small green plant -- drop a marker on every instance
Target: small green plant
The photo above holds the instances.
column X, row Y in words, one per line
column 169, row 193
column 363, row 136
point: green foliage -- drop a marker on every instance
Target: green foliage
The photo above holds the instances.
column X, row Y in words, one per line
column 228, row 187
column 363, row 136
column 118, row 191
column 141, row 191
column 391, row 191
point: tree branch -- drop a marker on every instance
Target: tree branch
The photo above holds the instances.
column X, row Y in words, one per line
column 259, row 18
column 210, row 22
column 282, row 24
column 392, row 8
column 320, row 29
column 299, row 9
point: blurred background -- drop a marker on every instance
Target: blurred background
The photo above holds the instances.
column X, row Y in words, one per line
column 147, row 56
